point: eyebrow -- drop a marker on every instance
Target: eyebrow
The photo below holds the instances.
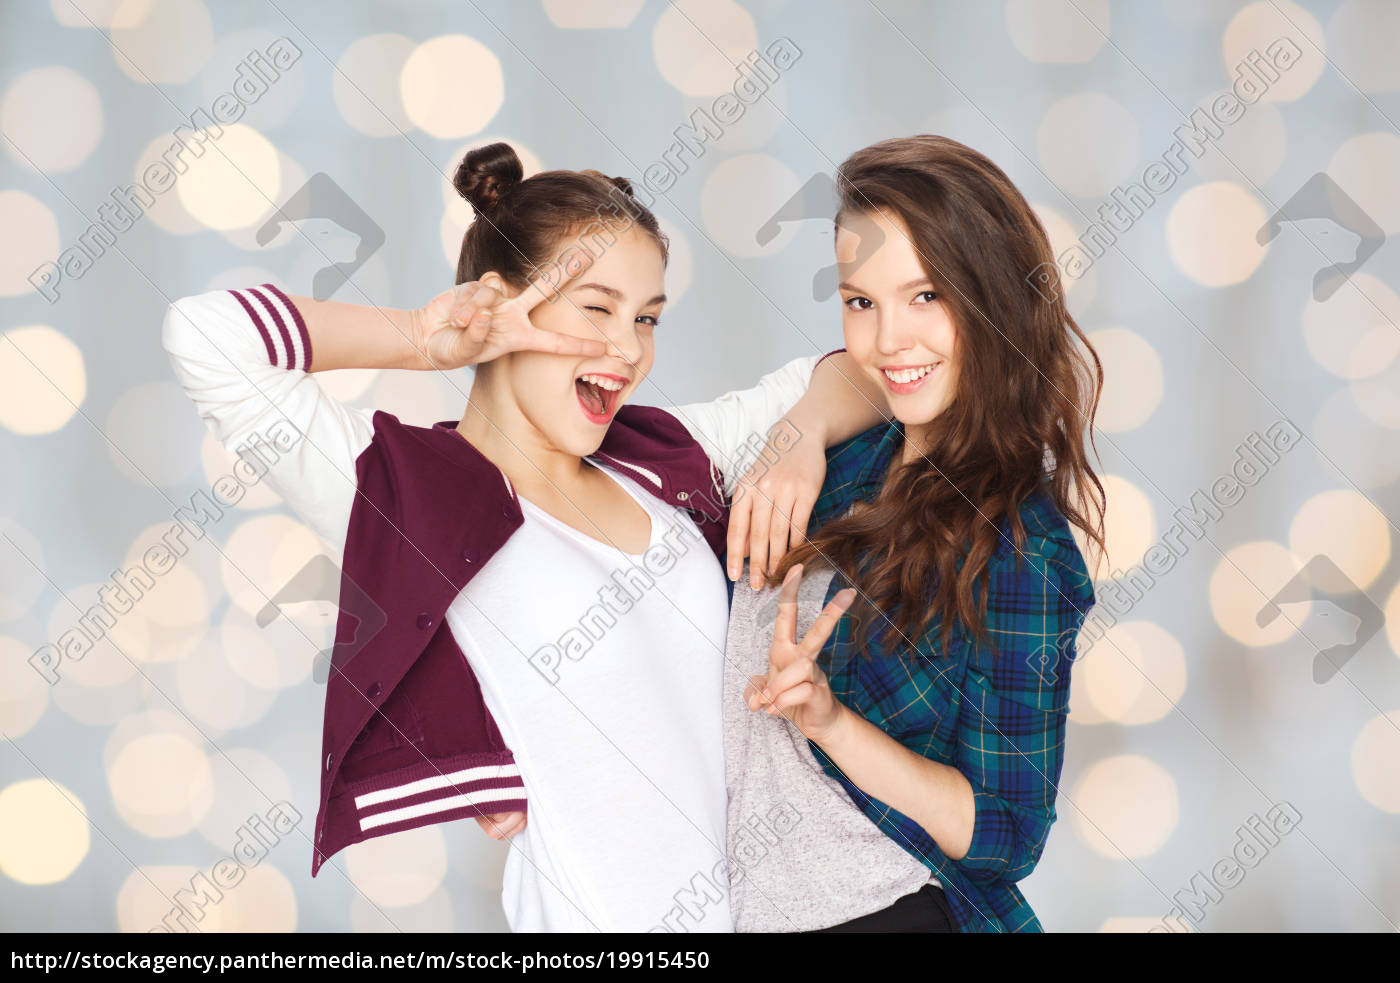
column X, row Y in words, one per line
column 903, row 286
column 618, row 295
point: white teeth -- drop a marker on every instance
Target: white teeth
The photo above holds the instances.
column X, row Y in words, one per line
column 908, row 375
column 603, row 382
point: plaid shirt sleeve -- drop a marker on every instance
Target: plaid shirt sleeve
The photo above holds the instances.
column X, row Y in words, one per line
column 1015, row 701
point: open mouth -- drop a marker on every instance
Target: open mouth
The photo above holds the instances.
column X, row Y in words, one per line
column 598, row 395
column 907, row 378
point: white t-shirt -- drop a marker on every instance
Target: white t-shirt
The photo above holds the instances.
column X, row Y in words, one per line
column 609, row 696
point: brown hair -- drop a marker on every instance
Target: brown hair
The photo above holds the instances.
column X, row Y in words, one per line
column 522, row 223
column 1025, row 396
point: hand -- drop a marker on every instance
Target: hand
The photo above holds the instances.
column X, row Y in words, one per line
column 474, row 323
column 501, row 825
column 773, row 501
column 794, row 685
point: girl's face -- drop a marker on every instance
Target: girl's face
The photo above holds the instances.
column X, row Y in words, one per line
column 571, row 399
column 897, row 329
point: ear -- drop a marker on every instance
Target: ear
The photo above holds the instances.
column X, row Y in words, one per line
column 496, row 282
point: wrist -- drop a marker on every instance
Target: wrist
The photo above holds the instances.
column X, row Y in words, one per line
column 808, row 421
column 415, row 322
column 834, row 733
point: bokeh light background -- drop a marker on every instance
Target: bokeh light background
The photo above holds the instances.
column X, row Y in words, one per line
column 136, row 770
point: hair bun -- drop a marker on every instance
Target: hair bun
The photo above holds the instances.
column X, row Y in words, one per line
column 486, row 174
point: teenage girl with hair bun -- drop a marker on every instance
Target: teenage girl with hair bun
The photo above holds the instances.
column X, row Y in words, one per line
column 532, row 608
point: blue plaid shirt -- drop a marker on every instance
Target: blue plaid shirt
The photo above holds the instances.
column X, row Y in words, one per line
column 998, row 720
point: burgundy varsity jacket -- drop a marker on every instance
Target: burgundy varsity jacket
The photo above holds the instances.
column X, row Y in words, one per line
column 408, row 740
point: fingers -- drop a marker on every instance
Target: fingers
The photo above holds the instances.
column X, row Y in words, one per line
column 826, row 621
column 778, row 526
column 564, row 344
column 801, row 515
column 502, row 825
column 785, row 628
column 472, row 298
column 751, row 692
column 479, row 326
column 737, row 542
column 796, row 695
column 766, row 691
column 554, row 278
column 760, row 514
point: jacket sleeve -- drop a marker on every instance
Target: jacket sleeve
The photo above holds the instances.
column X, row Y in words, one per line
column 1015, row 702
column 242, row 356
column 733, row 428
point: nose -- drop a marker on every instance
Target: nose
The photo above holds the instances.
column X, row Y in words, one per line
column 625, row 343
column 891, row 335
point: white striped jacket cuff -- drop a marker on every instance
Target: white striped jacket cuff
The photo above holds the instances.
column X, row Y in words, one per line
column 281, row 325
column 440, row 793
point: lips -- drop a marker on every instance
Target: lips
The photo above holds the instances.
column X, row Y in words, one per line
column 598, row 395
column 904, row 379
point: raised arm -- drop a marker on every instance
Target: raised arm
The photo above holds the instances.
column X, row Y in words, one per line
column 841, row 402
column 464, row 325
column 243, row 356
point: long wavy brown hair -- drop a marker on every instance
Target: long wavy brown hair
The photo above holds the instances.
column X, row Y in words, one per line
column 1023, row 404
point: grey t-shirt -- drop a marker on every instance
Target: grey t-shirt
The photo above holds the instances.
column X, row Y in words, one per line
column 802, row 856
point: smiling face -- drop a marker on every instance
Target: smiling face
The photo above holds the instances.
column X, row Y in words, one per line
column 897, row 329
column 571, row 400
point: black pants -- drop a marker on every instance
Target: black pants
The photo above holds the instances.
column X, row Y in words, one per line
column 926, row 910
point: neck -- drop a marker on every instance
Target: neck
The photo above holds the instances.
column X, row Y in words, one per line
column 916, row 444
column 495, row 425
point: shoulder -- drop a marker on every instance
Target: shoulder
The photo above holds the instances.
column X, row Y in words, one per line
column 1037, row 600
column 852, row 461
column 859, row 447
column 1050, row 554
column 649, row 422
column 400, row 451
column 654, row 437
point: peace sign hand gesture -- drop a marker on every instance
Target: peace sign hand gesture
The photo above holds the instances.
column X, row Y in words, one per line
column 476, row 322
column 794, row 686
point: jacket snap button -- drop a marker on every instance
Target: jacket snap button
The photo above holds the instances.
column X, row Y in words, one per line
column 683, row 497
column 374, row 690
column 505, row 510
column 469, row 555
column 425, row 620
column 328, row 761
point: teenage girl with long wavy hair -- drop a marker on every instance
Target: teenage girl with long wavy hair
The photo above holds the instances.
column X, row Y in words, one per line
column 903, row 756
